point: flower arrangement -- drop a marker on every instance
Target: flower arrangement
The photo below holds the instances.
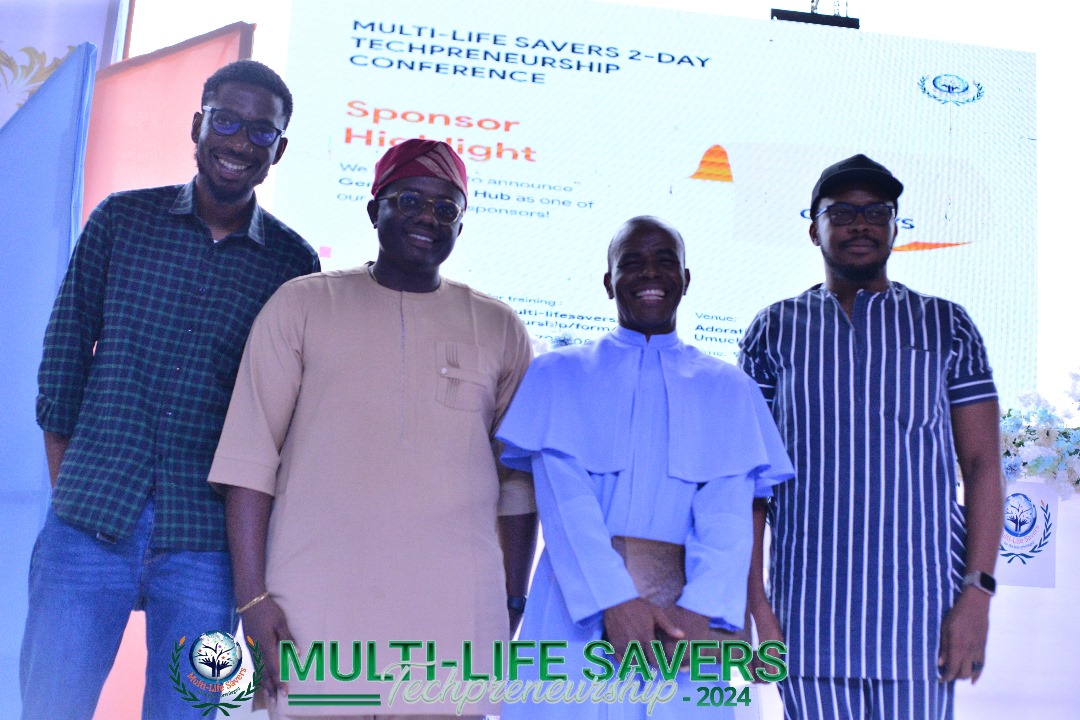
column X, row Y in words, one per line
column 1037, row 442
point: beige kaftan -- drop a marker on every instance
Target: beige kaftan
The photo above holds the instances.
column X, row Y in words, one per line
column 368, row 414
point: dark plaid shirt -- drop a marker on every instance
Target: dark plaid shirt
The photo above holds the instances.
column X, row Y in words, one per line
column 169, row 311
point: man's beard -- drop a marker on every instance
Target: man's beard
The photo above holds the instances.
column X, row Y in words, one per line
column 225, row 195
column 857, row 274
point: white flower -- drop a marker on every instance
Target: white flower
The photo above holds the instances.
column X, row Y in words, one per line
column 1031, row 453
column 1040, row 442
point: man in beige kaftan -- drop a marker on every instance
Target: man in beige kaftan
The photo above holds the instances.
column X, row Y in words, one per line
column 358, row 450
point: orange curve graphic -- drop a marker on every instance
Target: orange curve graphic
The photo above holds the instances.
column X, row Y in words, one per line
column 918, row 245
column 714, row 165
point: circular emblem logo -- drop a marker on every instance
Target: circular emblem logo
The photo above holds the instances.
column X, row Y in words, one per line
column 215, row 656
column 949, row 89
column 951, row 84
column 1020, row 515
column 1028, row 528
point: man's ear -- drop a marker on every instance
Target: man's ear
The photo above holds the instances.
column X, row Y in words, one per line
column 282, row 142
column 608, row 287
column 196, row 127
column 686, row 277
column 813, row 233
column 373, row 212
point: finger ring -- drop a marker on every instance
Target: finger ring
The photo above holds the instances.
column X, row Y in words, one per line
column 976, row 666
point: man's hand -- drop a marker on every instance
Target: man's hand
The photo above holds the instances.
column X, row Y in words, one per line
column 247, row 518
column 265, row 624
column 963, row 637
column 976, row 432
column 639, row 620
column 517, row 538
column 55, row 448
column 768, row 628
column 695, row 626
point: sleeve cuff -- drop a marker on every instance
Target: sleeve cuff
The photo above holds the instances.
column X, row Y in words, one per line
column 56, row 416
column 516, row 494
column 617, row 595
column 763, row 488
column 975, row 389
column 707, row 603
column 227, row 472
column 722, row 624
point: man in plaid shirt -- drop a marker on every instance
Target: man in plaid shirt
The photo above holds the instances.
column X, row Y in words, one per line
column 140, row 356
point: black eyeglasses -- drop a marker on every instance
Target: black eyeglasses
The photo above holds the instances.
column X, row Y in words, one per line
column 412, row 203
column 226, row 122
column 844, row 214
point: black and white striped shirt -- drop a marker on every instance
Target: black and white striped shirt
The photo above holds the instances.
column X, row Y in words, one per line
column 868, row 539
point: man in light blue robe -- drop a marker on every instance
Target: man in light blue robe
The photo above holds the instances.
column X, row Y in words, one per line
column 638, row 435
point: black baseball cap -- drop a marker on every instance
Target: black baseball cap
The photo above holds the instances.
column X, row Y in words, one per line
column 857, row 169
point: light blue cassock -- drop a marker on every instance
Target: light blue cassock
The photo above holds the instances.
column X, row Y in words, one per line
column 641, row 438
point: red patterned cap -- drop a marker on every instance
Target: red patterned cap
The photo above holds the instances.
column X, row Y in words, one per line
column 420, row 158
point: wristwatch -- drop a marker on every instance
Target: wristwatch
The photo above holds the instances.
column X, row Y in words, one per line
column 983, row 581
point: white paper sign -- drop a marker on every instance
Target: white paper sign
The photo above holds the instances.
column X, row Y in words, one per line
column 1026, row 555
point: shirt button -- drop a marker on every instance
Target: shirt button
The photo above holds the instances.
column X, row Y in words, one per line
column 168, row 414
column 444, row 371
column 202, row 291
column 177, row 368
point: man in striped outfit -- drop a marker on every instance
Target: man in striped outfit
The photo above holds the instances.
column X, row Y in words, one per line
column 881, row 581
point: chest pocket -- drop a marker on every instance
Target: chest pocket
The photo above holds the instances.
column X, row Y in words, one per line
column 466, row 377
column 916, row 400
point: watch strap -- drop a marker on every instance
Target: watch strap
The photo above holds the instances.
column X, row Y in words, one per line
column 981, row 580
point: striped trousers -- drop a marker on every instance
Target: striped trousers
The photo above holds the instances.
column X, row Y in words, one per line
column 810, row 698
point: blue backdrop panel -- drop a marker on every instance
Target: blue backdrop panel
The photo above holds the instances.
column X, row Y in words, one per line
column 41, row 152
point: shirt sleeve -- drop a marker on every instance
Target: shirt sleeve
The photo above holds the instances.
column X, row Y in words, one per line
column 74, row 326
column 591, row 574
column 970, row 378
column 264, row 397
column 515, row 486
column 718, row 551
column 754, row 359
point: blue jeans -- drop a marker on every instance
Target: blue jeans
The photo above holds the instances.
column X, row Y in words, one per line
column 82, row 591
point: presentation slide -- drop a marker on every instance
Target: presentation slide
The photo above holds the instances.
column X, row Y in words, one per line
column 573, row 119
